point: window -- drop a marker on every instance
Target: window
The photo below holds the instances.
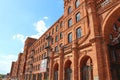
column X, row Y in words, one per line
column 52, row 40
column 78, row 33
column 68, row 74
column 56, row 28
column 56, row 38
column 69, row 37
column 56, row 49
column 56, row 75
column 52, row 31
column 77, row 3
column 69, row 10
column 61, row 35
column 61, row 45
column 69, row 22
column 77, row 17
column 61, row 24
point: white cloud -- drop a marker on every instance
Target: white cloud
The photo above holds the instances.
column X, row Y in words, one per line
column 5, row 62
column 20, row 37
column 40, row 27
column 46, row 18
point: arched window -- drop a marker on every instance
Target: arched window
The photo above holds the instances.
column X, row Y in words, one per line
column 78, row 32
column 77, row 17
column 86, row 69
column 39, row 76
column 68, row 71
column 77, row 3
column 68, row 74
column 56, row 75
column 69, row 10
column 56, row 72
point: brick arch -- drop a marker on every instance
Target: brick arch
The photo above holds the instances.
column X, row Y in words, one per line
column 56, row 66
column 85, row 60
column 111, row 16
column 67, row 63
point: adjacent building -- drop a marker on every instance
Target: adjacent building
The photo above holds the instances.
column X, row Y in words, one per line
column 83, row 44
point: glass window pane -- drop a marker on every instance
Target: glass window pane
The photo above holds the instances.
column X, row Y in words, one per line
column 78, row 33
column 69, row 37
column 77, row 3
column 77, row 17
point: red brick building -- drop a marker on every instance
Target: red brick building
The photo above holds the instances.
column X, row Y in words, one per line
column 84, row 44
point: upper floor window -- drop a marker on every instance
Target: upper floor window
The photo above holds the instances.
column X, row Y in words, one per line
column 61, row 35
column 77, row 3
column 69, row 10
column 77, row 17
column 60, row 45
column 70, row 37
column 56, row 38
column 56, row 28
column 69, row 22
column 61, row 24
column 52, row 40
column 78, row 33
column 52, row 31
column 56, row 49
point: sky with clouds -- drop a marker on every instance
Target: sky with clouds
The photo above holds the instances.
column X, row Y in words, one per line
column 20, row 19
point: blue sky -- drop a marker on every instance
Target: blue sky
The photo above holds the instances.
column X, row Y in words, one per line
column 20, row 19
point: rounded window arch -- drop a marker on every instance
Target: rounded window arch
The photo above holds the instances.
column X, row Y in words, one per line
column 86, row 69
column 56, row 71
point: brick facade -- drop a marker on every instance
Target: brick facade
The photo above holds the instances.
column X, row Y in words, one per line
column 78, row 46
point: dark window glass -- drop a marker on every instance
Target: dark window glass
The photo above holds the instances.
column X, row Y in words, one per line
column 69, row 37
column 61, row 35
column 69, row 22
column 56, row 75
column 77, row 17
column 69, row 10
column 68, row 74
column 56, row 49
column 78, row 32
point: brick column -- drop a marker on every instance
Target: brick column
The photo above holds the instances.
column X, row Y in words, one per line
column 51, row 66
column 60, row 73
column 75, row 61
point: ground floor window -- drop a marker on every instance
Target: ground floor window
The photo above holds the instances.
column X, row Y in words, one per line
column 39, row 76
column 56, row 75
column 68, row 74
